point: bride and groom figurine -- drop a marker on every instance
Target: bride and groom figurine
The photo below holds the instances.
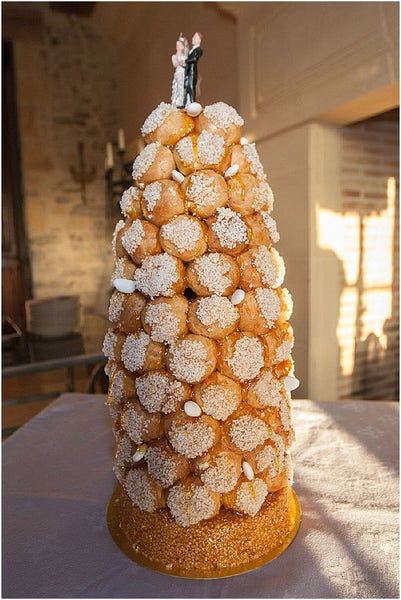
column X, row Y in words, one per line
column 186, row 70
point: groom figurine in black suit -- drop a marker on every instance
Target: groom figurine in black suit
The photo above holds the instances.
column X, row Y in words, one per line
column 191, row 69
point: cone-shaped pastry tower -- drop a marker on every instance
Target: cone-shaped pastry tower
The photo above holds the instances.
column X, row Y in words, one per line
column 200, row 351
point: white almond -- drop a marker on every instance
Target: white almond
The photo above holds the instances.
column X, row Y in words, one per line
column 126, row 286
column 231, row 171
column 247, row 470
column 237, row 297
column 140, row 453
column 243, row 141
column 291, row 383
column 177, row 176
column 194, row 109
column 192, row 409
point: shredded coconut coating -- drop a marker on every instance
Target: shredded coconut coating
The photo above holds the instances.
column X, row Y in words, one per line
column 119, row 225
column 126, row 199
column 152, row 194
column 191, row 439
column 164, row 324
column 269, row 305
column 189, row 506
column 250, row 496
column 230, row 228
column 263, row 196
column 188, row 360
column 247, row 359
column 222, row 476
column 175, row 395
column 161, row 466
column 211, row 270
column 218, row 402
column 252, row 156
column 116, row 395
column 218, row 310
column 139, row 489
column 116, row 306
column 210, row 148
column 133, row 352
column 183, row 233
column 109, row 344
column 287, row 299
column 144, row 160
column 157, row 275
column 280, row 267
column 271, row 225
column 263, row 261
column 134, row 423
column 283, row 352
column 267, row 459
column 222, row 115
column 156, row 118
column 152, row 391
column 133, row 237
column 122, row 456
column 248, row 432
column 202, row 190
column 268, row 389
column 119, row 269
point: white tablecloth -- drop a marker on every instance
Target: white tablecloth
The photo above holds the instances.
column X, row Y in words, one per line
column 57, row 480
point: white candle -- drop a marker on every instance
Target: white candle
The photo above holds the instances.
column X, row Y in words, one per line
column 121, row 139
column 109, row 156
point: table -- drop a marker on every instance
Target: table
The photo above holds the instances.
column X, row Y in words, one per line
column 57, row 481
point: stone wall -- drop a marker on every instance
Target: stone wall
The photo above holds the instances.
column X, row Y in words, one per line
column 66, row 94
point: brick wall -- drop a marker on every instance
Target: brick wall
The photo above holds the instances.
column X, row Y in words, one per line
column 368, row 321
column 67, row 93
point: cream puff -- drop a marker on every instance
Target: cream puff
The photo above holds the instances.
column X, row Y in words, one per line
column 219, row 469
column 160, row 275
column 221, row 119
column 143, row 491
column 246, row 194
column 164, row 465
column 184, row 237
column 192, row 359
column 203, row 151
column 213, row 316
column 247, row 158
column 259, row 311
column 214, row 273
column 261, row 266
column 158, row 391
column 191, row 436
column 124, row 268
column 247, row 497
column 266, row 391
column 121, row 388
column 190, row 502
column 262, row 229
column 125, row 310
column 165, row 319
column 167, row 125
column 140, row 425
column 153, row 163
column 162, row 200
column 227, row 232
column 218, row 396
column 140, row 354
column 241, row 356
column 130, row 203
column 140, row 239
column 205, row 191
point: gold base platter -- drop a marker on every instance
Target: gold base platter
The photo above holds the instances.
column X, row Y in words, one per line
column 134, row 553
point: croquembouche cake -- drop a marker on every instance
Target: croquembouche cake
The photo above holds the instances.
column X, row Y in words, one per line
column 199, row 353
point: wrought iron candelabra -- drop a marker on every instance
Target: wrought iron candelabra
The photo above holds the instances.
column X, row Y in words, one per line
column 117, row 174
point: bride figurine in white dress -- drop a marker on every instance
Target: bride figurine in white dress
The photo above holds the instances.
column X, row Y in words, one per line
column 178, row 60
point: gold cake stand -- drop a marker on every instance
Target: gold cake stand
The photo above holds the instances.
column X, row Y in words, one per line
column 113, row 523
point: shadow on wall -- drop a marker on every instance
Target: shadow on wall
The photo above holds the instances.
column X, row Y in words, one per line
column 367, row 326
